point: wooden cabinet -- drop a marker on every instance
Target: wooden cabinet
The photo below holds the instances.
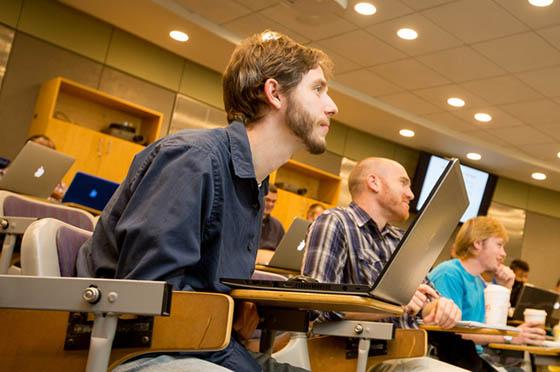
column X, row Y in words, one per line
column 300, row 186
column 74, row 115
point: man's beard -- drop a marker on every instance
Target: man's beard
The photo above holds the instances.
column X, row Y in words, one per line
column 301, row 123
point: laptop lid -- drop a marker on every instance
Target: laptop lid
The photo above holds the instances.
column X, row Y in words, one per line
column 535, row 298
column 425, row 238
column 90, row 191
column 36, row 170
column 290, row 250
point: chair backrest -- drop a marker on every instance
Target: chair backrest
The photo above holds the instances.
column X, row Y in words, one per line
column 50, row 247
column 16, row 205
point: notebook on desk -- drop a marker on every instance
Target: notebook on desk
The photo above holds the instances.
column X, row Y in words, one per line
column 289, row 253
column 36, row 170
column 410, row 262
column 90, row 191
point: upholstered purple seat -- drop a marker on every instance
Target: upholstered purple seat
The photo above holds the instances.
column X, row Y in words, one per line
column 19, row 206
column 68, row 243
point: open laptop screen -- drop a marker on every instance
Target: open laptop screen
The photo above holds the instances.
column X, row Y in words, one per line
column 425, row 238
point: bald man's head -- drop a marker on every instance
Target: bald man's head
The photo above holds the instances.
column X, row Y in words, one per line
column 381, row 167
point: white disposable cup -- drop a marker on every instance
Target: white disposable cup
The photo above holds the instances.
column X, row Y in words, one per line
column 535, row 316
column 496, row 300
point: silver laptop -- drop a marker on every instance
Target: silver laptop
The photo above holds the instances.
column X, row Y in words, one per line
column 425, row 238
column 36, row 170
column 289, row 253
column 413, row 257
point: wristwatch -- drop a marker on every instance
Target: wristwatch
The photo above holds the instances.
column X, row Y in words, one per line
column 508, row 339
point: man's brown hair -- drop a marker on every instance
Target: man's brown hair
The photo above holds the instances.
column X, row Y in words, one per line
column 477, row 229
column 268, row 55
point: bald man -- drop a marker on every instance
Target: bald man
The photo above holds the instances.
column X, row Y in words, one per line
column 353, row 244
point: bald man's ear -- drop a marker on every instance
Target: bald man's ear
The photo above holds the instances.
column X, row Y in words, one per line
column 373, row 183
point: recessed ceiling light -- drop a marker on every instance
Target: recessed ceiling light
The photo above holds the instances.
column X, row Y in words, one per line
column 455, row 102
column 538, row 176
column 406, row 133
column 179, row 36
column 483, row 117
column 407, row 34
column 365, row 8
column 541, row 3
column 474, row 156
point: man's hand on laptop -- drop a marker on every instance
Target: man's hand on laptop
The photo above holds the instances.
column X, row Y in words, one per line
column 442, row 312
column 421, row 297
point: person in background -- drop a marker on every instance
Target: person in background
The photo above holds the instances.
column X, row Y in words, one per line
column 479, row 246
column 190, row 209
column 41, row 139
column 521, row 270
column 314, row 211
column 271, row 229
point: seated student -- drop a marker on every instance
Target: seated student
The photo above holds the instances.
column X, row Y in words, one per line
column 479, row 246
column 41, row 139
column 353, row 244
column 271, row 229
column 521, row 270
column 314, row 211
column 190, row 208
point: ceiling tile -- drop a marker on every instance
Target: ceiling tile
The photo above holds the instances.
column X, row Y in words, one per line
column 410, row 103
column 446, row 120
column 522, row 135
column 533, row 16
column 387, row 9
column 362, row 48
column 488, row 137
column 410, row 74
column 424, row 4
column 543, row 151
column 546, row 81
column 217, row 11
column 540, row 112
column 461, row 64
column 367, row 82
column 475, row 20
column 313, row 27
column 255, row 23
column 258, row 4
column 500, row 119
column 341, row 64
column 552, row 35
column 502, row 89
column 552, row 130
column 439, row 95
column 430, row 36
column 522, row 52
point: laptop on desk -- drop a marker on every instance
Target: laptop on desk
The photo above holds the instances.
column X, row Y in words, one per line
column 36, row 170
column 90, row 191
column 289, row 253
column 413, row 257
column 535, row 298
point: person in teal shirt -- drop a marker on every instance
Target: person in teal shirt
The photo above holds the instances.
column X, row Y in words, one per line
column 480, row 247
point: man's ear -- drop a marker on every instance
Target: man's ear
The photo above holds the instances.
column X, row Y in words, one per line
column 272, row 93
column 477, row 246
column 373, row 182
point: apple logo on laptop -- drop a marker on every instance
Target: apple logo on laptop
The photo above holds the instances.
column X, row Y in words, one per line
column 301, row 245
column 39, row 172
column 93, row 193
